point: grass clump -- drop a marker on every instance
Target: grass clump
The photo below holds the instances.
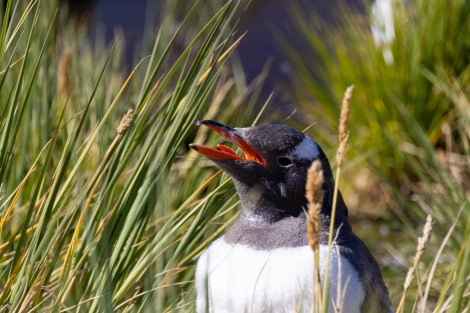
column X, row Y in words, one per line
column 411, row 125
column 98, row 211
column 99, row 219
column 343, row 51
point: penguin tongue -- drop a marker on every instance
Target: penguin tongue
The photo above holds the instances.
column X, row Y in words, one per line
column 224, row 152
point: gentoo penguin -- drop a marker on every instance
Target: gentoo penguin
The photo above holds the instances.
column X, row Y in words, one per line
column 263, row 262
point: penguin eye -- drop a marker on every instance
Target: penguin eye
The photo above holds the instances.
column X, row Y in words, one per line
column 284, row 161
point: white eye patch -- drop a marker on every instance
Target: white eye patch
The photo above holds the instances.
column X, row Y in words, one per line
column 307, row 149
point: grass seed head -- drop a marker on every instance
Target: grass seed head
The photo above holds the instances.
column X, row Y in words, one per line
column 314, row 196
column 343, row 125
column 125, row 122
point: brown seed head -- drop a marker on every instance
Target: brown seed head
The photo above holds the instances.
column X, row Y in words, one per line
column 314, row 196
column 343, row 125
column 125, row 122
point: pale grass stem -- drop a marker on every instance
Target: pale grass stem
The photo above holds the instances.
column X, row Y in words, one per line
column 422, row 241
column 314, row 196
column 343, row 140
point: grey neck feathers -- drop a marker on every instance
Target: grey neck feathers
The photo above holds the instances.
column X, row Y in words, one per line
column 267, row 224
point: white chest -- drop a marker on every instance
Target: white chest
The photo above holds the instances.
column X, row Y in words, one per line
column 237, row 279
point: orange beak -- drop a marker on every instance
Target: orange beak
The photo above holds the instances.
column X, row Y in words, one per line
column 224, row 152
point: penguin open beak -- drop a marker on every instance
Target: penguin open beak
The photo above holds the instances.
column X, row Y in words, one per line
column 224, row 152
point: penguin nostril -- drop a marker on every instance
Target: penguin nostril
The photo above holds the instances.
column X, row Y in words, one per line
column 283, row 161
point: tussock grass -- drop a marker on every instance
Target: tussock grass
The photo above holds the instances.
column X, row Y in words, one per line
column 98, row 210
column 411, row 126
column 99, row 219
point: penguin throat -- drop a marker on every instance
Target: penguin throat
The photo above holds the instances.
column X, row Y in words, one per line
column 257, row 205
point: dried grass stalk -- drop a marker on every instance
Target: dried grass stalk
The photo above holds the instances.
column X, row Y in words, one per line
column 422, row 241
column 343, row 140
column 343, row 125
column 315, row 202
column 314, row 195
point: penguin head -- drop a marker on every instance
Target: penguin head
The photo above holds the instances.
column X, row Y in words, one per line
column 271, row 173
